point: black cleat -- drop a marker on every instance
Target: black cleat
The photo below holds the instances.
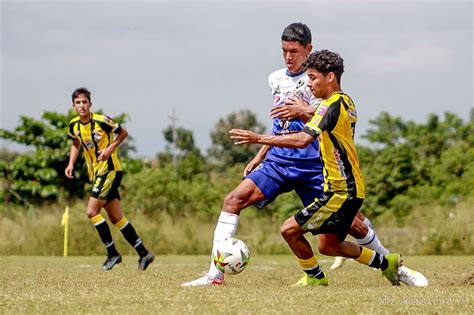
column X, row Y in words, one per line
column 144, row 261
column 110, row 262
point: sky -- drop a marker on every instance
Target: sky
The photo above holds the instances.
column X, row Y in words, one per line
column 203, row 60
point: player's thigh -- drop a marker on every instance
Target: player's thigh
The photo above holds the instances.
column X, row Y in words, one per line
column 244, row 195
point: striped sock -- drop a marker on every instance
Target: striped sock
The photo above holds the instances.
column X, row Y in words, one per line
column 311, row 267
column 372, row 241
column 131, row 236
column 372, row 258
column 104, row 233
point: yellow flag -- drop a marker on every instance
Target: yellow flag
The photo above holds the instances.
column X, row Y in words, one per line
column 65, row 218
column 65, row 223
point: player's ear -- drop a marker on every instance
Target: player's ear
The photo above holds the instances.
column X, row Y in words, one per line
column 309, row 49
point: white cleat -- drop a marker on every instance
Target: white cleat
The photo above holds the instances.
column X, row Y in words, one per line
column 411, row 277
column 203, row 281
column 338, row 262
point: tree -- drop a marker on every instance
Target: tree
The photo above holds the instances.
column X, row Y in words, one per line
column 223, row 150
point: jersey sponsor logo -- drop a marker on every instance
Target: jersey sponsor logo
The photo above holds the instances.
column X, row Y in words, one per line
column 340, row 164
column 305, row 212
column 322, row 109
column 97, row 135
column 300, row 83
column 88, row 143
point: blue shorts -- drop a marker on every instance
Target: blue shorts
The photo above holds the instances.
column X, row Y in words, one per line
column 274, row 178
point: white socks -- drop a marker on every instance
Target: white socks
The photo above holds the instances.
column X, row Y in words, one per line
column 225, row 228
column 372, row 241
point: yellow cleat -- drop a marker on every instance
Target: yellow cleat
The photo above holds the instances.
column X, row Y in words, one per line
column 307, row 280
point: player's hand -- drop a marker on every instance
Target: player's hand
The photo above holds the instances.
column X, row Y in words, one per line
column 68, row 171
column 252, row 165
column 294, row 107
column 105, row 154
column 243, row 136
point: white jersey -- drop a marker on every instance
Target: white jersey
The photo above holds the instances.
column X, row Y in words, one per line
column 284, row 84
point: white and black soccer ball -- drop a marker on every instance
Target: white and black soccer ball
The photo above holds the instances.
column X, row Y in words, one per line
column 232, row 256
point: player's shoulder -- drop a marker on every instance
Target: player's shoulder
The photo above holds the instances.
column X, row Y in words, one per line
column 74, row 120
column 277, row 75
column 102, row 118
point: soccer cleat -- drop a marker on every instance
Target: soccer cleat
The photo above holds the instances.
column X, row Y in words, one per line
column 205, row 280
column 307, row 280
column 412, row 278
column 338, row 262
column 110, row 262
column 391, row 273
column 143, row 262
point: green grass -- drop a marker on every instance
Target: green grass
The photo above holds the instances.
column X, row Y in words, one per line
column 31, row 284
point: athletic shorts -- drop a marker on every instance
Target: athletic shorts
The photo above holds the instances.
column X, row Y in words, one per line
column 106, row 186
column 274, row 179
column 333, row 213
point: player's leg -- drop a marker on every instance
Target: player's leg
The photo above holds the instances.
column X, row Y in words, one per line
column 244, row 195
column 364, row 234
column 331, row 245
column 294, row 236
column 258, row 188
column 117, row 217
column 94, row 207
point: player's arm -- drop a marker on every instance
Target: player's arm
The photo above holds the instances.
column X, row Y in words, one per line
column 256, row 160
column 73, row 154
column 105, row 153
column 293, row 140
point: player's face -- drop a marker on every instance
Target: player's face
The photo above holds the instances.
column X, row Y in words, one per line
column 82, row 106
column 295, row 55
column 318, row 83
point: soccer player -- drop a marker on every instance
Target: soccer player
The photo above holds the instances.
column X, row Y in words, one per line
column 276, row 170
column 95, row 134
column 331, row 215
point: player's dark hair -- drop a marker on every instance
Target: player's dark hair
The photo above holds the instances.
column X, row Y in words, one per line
column 79, row 91
column 326, row 61
column 297, row 32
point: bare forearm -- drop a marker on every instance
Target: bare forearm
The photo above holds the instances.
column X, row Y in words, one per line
column 119, row 139
column 294, row 140
column 74, row 153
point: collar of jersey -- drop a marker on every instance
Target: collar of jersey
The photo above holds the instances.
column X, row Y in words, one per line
column 87, row 121
column 288, row 73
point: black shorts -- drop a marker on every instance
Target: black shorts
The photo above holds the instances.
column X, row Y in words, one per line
column 333, row 213
column 106, row 187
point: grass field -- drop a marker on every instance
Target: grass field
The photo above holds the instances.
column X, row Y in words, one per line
column 31, row 284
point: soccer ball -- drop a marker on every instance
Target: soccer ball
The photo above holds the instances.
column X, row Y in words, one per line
column 232, row 256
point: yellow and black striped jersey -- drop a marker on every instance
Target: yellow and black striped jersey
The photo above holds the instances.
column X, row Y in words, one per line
column 334, row 122
column 95, row 135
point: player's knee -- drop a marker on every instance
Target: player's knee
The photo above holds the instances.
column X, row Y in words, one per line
column 91, row 212
column 287, row 230
column 234, row 203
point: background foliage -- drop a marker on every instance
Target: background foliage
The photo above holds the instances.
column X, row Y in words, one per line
column 410, row 169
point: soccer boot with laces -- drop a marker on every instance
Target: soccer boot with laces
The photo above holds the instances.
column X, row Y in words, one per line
column 205, row 280
column 111, row 261
column 391, row 273
column 144, row 261
column 307, row 280
column 412, row 277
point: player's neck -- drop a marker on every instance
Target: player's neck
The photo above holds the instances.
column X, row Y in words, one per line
column 331, row 91
column 86, row 118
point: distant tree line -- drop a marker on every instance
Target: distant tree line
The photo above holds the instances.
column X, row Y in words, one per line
column 404, row 164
